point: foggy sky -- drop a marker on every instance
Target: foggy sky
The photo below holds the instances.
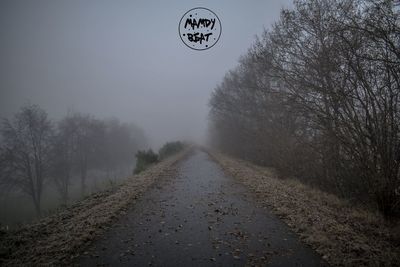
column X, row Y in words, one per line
column 121, row 59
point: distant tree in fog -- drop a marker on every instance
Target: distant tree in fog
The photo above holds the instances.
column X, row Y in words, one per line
column 88, row 136
column 83, row 143
column 26, row 147
column 64, row 147
column 120, row 144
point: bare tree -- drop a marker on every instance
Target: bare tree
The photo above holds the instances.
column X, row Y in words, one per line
column 83, row 143
column 89, row 140
column 26, row 151
column 318, row 98
column 63, row 151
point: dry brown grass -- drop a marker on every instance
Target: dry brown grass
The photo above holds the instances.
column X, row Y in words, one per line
column 341, row 234
column 58, row 239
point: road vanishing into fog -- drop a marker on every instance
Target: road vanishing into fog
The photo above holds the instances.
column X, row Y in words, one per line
column 201, row 217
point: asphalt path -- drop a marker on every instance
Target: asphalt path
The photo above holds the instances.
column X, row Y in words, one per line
column 200, row 217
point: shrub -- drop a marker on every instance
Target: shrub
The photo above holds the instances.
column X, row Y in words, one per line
column 144, row 159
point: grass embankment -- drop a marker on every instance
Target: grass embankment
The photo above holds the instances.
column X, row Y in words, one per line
column 59, row 238
column 341, row 233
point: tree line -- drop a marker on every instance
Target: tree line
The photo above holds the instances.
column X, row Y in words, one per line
column 317, row 97
column 36, row 152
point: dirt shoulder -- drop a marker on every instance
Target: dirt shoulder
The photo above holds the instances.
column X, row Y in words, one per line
column 343, row 235
column 59, row 238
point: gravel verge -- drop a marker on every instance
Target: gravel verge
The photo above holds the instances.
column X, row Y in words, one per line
column 61, row 237
column 343, row 235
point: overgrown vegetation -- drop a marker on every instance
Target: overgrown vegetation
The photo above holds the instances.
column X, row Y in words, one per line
column 317, row 97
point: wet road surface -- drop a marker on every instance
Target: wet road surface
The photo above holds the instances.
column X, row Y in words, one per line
column 201, row 217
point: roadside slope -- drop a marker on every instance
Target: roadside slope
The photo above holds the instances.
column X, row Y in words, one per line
column 58, row 239
column 343, row 235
